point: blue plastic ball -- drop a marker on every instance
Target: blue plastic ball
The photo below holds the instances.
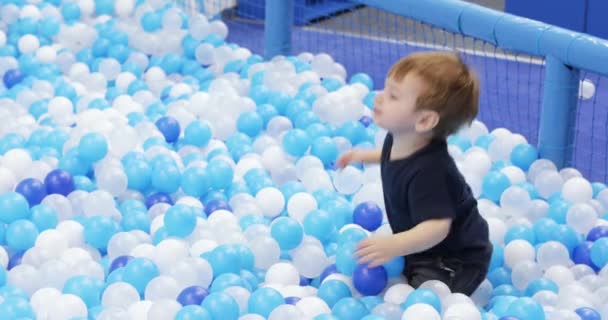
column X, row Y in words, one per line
column 250, row 123
column 599, row 252
column 92, row 147
column 169, row 127
column 349, row 308
column 59, row 182
column 332, row 291
column 264, row 300
column 98, row 230
column 119, row 262
column 526, row 309
column 221, row 306
column 325, row 149
column 21, row 235
column 362, row 78
column 197, row 133
column 180, row 220
column 12, row 77
column 32, row 189
column 425, row 296
column 158, row 198
column 523, row 155
column 139, row 272
column 319, row 224
column 287, row 232
column 13, row 207
column 193, row 312
column 88, row 288
column 70, row 12
column 220, row 173
column 44, row 217
column 588, row 314
column 370, row 281
column 296, row 142
column 494, row 184
column 151, row 21
column 193, row 295
column 597, row 233
column 368, row 215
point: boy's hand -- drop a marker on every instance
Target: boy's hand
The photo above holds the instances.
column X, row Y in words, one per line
column 348, row 157
column 376, row 251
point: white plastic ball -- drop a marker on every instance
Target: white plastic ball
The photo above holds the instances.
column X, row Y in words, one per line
column 577, row 190
column 282, row 273
column 518, row 251
column 119, row 295
column 28, row 44
column 271, row 201
column 420, row 311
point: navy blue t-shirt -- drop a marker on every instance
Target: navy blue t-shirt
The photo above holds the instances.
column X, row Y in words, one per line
column 428, row 185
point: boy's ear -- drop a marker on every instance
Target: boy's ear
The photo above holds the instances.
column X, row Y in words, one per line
column 427, row 121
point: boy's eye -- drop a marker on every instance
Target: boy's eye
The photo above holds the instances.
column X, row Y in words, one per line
column 393, row 97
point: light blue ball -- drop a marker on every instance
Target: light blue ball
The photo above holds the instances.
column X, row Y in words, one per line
column 166, row 178
column 21, row 235
column 250, row 123
column 319, row 224
column 599, row 252
column 523, row 155
column 346, row 262
column 296, row 142
column 287, row 232
column 264, row 300
column 362, row 78
column 138, row 272
column 44, row 217
column 195, row 181
column 221, row 306
column 197, row 133
column 349, row 309
column 220, row 174
column 494, row 184
column 13, row 206
column 92, row 147
column 98, row 230
column 180, row 221
column 325, row 149
column 193, row 312
column 425, row 296
column 332, row 291
column 88, row 288
column 526, row 309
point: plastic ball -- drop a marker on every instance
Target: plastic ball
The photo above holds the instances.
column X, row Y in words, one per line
column 180, row 220
column 370, row 281
column 92, row 147
column 13, row 206
column 12, row 77
column 169, row 127
column 287, row 232
column 349, row 308
column 32, row 189
column 21, row 235
column 59, row 182
column 193, row 295
column 368, row 215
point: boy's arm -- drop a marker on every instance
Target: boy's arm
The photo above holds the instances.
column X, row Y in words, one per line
column 425, row 235
column 360, row 155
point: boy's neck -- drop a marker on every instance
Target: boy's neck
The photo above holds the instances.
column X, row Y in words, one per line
column 406, row 144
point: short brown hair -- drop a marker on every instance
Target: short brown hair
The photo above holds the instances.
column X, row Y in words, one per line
column 452, row 88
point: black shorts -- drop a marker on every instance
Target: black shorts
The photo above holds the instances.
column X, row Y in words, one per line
column 458, row 275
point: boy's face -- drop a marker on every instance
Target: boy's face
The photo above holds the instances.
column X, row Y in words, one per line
column 395, row 106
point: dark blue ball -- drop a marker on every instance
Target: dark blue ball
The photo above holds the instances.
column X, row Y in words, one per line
column 15, row 260
column 597, row 232
column 158, row 198
column 59, row 181
column 12, row 77
column 292, row 300
column 119, row 262
column 329, row 270
column 366, row 120
column 588, row 314
column 215, row 205
column 169, row 127
column 192, row 295
column 33, row 190
column 368, row 215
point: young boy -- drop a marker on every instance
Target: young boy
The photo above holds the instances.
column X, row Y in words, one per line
column 430, row 207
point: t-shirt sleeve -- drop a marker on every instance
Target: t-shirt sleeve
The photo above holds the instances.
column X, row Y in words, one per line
column 429, row 196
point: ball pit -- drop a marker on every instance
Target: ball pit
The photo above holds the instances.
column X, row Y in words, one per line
column 151, row 170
